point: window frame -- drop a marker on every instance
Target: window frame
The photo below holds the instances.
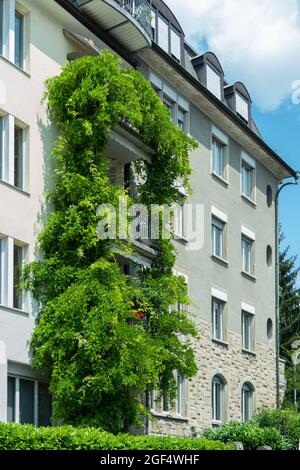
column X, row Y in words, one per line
column 218, row 226
column 210, row 69
column 247, row 241
column 36, row 382
column 249, row 165
column 240, row 101
column 247, row 395
column 218, row 383
column 217, row 302
column 173, row 33
column 22, row 39
column 248, row 334
column 221, row 139
column 21, row 295
column 2, row 20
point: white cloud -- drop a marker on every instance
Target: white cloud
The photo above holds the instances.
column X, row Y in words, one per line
column 257, row 42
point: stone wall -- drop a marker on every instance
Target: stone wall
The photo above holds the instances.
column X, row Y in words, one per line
column 236, row 367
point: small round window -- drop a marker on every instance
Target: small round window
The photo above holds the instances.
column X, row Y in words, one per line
column 269, row 255
column 270, row 328
column 269, row 196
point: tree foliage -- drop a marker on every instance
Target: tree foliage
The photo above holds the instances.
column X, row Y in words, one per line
column 99, row 362
column 289, row 315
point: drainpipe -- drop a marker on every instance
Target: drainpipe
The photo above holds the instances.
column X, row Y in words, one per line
column 277, row 285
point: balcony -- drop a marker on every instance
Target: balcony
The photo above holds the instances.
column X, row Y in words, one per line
column 127, row 21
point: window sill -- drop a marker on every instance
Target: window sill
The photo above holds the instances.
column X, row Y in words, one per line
column 11, row 186
column 15, row 66
column 16, row 311
column 220, row 342
column 180, row 238
column 220, row 179
column 248, row 276
column 169, row 416
column 249, row 201
column 217, row 423
column 221, row 261
column 250, row 353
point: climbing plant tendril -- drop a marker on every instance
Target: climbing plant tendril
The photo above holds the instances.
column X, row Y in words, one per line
column 101, row 364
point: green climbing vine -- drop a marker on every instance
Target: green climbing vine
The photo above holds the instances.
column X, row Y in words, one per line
column 100, row 354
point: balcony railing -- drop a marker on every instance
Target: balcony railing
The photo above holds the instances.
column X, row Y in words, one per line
column 140, row 10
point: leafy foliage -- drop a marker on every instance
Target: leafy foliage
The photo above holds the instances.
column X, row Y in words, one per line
column 100, row 365
column 20, row 437
column 289, row 316
column 286, row 422
column 250, row 434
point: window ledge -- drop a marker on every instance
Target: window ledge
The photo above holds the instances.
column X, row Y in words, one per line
column 250, row 353
column 180, row 238
column 249, row 201
column 169, row 416
column 249, row 276
column 219, row 260
column 220, row 179
column 15, row 66
column 14, row 310
column 11, row 186
column 217, row 423
column 220, row 342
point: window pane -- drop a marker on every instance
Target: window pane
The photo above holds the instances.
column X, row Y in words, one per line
column 247, row 255
column 213, row 82
column 153, row 24
column 218, row 320
column 44, row 405
column 26, row 401
column 18, row 261
column 19, row 40
column 163, row 34
column 11, row 393
column 1, row 26
column 169, row 105
column 217, row 238
column 1, row 269
column 175, row 45
column 247, row 331
column 1, row 148
column 247, row 181
column 181, row 119
column 19, row 158
column 217, row 399
column 242, row 107
column 218, row 158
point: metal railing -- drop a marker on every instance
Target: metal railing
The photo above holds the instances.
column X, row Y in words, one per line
column 140, row 10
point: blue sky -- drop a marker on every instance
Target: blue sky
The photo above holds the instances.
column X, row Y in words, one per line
column 258, row 43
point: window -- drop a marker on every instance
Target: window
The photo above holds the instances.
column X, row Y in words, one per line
column 247, row 402
column 169, row 105
column 162, row 404
column 175, row 45
column 18, row 264
column 269, row 196
column 218, row 158
column 153, row 24
column 1, row 26
column 248, row 255
column 163, row 34
column 218, row 319
column 242, row 108
column 247, row 180
column 19, row 39
column 218, row 238
column 1, row 148
column 213, row 82
column 180, row 405
column 218, row 400
column 1, row 271
column 247, row 331
column 28, row 402
column 269, row 329
column 19, row 158
column 269, row 255
column 181, row 119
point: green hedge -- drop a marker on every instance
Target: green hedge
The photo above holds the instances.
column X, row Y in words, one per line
column 250, row 434
column 27, row 437
column 286, row 422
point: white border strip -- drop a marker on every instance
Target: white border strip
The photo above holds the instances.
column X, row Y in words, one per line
column 248, row 233
column 247, row 159
column 219, row 214
column 217, row 294
column 220, row 135
column 248, row 308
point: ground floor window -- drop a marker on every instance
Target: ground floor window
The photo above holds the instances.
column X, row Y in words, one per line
column 28, row 401
column 247, row 402
column 218, row 400
column 162, row 403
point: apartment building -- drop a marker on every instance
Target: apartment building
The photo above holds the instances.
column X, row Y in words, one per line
column 231, row 278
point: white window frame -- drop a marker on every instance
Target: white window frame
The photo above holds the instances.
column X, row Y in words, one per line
column 248, row 335
column 10, row 9
column 218, row 383
column 36, row 382
column 248, row 237
column 213, row 81
column 22, row 16
column 249, row 164
column 219, row 222
column 247, row 395
column 221, row 139
column 216, row 304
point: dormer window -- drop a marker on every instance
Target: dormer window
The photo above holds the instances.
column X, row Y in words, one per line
column 213, row 81
column 175, row 45
column 163, row 34
column 242, row 108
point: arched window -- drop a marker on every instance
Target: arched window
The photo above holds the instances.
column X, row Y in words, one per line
column 247, row 402
column 218, row 399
